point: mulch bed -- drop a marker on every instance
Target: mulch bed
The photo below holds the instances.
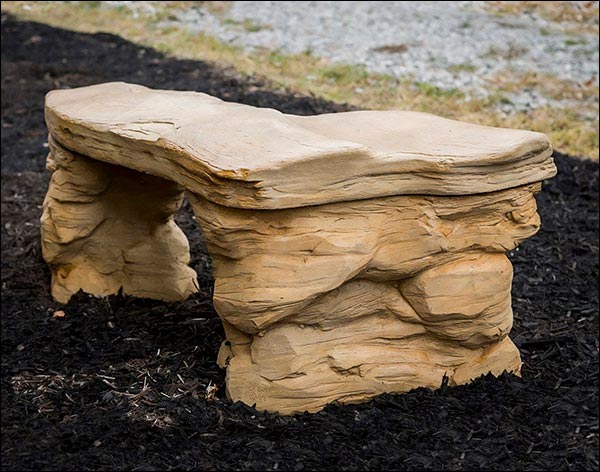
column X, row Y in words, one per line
column 120, row 383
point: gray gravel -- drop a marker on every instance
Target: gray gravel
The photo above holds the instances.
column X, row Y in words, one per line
column 445, row 44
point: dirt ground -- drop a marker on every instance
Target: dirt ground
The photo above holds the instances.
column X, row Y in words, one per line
column 120, row 383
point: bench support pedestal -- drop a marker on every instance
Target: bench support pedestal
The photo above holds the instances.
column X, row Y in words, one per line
column 344, row 301
column 107, row 228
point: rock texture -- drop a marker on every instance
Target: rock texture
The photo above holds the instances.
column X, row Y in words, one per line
column 347, row 300
column 245, row 157
column 354, row 254
column 107, row 228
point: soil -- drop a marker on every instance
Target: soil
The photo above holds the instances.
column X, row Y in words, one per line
column 121, row 383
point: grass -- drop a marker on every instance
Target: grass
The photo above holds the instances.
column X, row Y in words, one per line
column 248, row 25
column 548, row 85
column 462, row 68
column 91, row 5
column 570, row 130
column 437, row 92
column 577, row 16
column 506, row 53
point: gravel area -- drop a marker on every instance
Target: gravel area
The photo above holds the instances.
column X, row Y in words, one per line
column 448, row 45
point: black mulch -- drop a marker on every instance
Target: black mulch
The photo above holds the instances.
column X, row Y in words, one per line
column 120, row 384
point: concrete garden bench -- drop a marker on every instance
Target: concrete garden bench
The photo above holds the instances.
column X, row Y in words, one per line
column 354, row 253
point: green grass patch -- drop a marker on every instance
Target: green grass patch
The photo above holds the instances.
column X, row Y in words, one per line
column 462, row 68
column 437, row 92
column 343, row 74
column 247, row 24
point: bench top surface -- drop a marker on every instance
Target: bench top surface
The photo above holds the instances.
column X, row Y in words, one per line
column 241, row 156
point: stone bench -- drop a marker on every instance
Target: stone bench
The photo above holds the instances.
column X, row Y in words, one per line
column 354, row 253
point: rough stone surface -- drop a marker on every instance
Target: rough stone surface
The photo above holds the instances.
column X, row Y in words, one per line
column 107, row 228
column 241, row 156
column 354, row 254
column 348, row 300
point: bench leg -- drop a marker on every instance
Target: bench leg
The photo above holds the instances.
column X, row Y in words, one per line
column 106, row 228
column 345, row 301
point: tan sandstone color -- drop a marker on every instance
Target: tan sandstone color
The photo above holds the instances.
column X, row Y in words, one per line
column 354, row 253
